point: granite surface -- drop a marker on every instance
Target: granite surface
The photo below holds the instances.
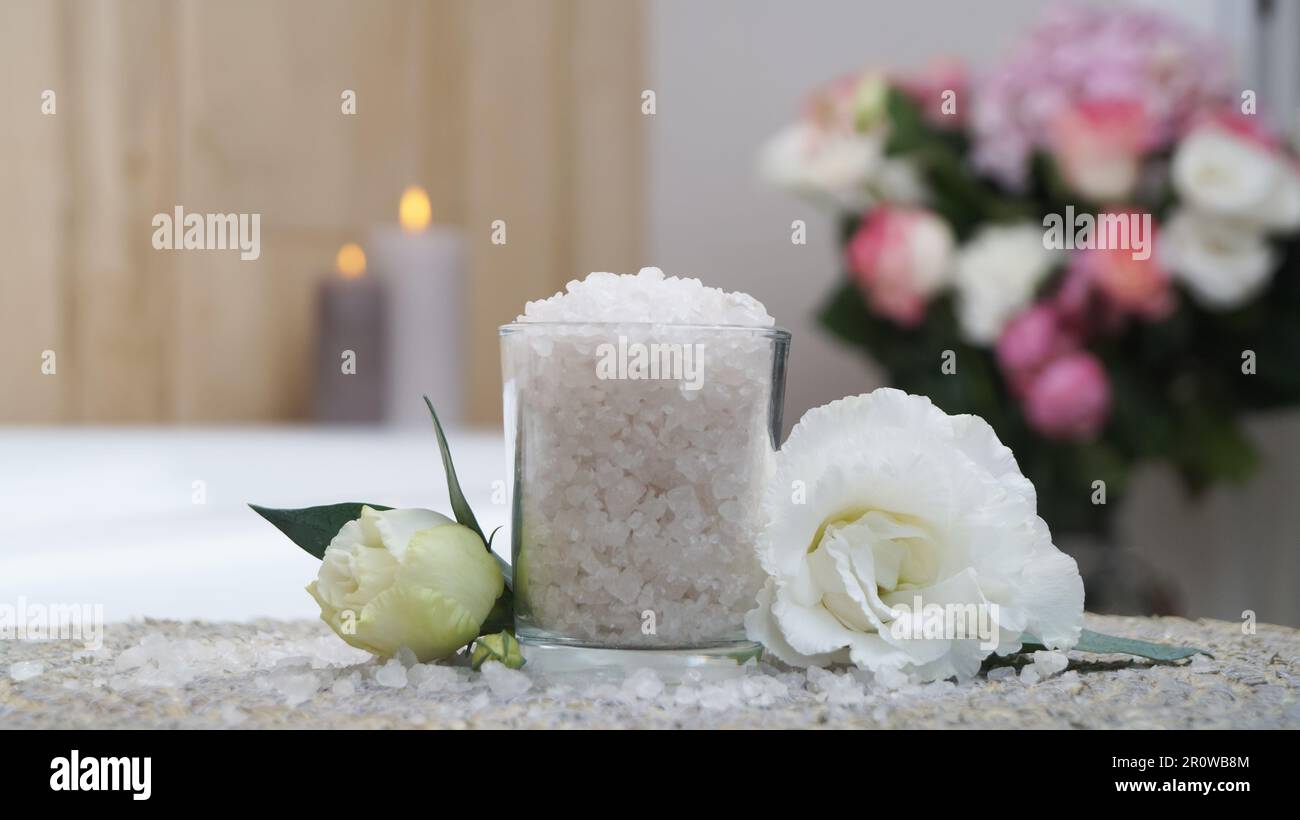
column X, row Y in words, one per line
column 295, row 674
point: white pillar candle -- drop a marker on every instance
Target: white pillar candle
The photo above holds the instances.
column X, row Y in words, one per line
column 424, row 270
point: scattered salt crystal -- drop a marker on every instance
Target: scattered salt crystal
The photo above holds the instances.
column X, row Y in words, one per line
column 132, row 658
column 1002, row 673
column 505, row 683
column 25, row 670
column 644, row 684
column 232, row 715
column 296, row 689
column 1048, row 663
column 346, row 686
column 430, row 678
column 391, row 674
column 407, row 657
column 890, row 678
column 686, row 696
column 1029, row 674
column 720, row 696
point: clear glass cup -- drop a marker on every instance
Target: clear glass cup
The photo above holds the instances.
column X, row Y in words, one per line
column 639, row 454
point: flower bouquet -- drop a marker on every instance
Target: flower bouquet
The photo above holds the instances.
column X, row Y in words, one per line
column 1094, row 246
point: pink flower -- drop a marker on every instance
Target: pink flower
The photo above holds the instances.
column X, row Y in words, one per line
column 1070, row 399
column 1099, row 146
column 1080, row 54
column 941, row 91
column 1128, row 286
column 1031, row 341
column 900, row 257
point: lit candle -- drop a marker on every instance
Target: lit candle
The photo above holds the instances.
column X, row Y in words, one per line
column 351, row 360
column 424, row 269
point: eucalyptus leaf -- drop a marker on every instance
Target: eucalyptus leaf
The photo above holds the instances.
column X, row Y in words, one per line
column 1100, row 644
column 312, row 528
column 459, row 506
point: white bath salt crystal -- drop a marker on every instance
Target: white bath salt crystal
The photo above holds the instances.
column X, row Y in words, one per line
column 232, row 715
column 890, row 678
column 647, row 296
column 392, row 674
column 25, row 670
column 344, row 687
column 505, row 683
column 296, row 689
column 644, row 684
column 103, row 653
column 1049, row 663
column 719, row 696
column 1001, row 673
column 132, row 658
column 406, row 657
column 431, row 678
column 1029, row 674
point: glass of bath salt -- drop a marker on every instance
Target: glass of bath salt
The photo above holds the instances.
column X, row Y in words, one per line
column 639, row 452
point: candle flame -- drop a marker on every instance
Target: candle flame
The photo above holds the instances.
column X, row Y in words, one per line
column 414, row 212
column 351, row 261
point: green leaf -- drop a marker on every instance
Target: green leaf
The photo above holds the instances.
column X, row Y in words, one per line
column 500, row 646
column 1100, row 644
column 312, row 528
column 459, row 506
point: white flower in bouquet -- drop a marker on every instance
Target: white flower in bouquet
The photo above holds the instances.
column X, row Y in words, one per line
column 1224, row 263
column 808, row 160
column 410, row 578
column 1230, row 175
column 996, row 275
column 882, row 502
column 837, row 150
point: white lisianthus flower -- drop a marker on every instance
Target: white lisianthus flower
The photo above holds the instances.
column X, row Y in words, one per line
column 807, row 159
column 996, row 274
column 881, row 501
column 410, row 578
column 1223, row 263
column 1225, row 174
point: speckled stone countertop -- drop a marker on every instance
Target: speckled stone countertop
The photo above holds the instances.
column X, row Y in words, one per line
column 295, row 674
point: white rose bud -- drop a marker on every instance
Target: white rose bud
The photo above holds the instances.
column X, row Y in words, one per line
column 410, row 578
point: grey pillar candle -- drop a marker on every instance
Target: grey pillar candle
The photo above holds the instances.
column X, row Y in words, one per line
column 351, row 356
